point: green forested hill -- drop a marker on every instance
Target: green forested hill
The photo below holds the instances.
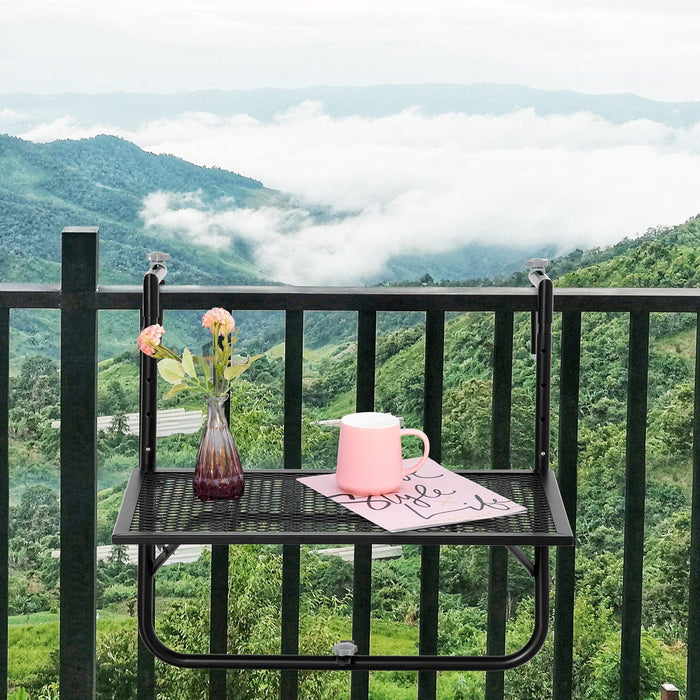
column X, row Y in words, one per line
column 670, row 259
column 103, row 181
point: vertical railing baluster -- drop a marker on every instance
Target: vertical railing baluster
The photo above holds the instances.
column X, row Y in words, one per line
column 78, row 442
column 218, row 628
column 500, row 459
column 362, row 572
column 4, row 492
column 635, row 485
column 293, row 368
column 218, row 608
column 291, row 555
column 693, row 664
column 430, row 555
column 569, row 374
column 366, row 359
column 434, row 366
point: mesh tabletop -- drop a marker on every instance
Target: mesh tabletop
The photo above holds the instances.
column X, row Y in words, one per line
column 160, row 508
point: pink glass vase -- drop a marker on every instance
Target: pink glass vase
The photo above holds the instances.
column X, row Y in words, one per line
column 218, row 473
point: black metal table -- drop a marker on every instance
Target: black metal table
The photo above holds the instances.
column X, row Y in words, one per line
column 160, row 511
column 160, row 508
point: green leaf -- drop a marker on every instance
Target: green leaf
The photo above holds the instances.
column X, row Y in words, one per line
column 177, row 389
column 188, row 363
column 171, row 370
column 233, row 371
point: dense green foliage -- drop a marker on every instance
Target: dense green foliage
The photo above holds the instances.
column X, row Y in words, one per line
column 664, row 258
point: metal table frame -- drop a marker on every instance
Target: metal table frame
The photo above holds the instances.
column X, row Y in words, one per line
column 159, row 512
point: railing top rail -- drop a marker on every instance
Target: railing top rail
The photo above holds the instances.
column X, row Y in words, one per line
column 626, row 299
column 124, row 297
column 349, row 298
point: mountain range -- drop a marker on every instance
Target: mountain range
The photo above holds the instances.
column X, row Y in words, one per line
column 20, row 112
column 105, row 180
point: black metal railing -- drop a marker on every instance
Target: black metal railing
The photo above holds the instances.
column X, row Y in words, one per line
column 79, row 297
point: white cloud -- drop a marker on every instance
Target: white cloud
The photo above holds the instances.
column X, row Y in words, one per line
column 64, row 128
column 413, row 183
column 185, row 214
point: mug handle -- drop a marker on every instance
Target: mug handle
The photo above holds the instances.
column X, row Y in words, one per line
column 426, row 449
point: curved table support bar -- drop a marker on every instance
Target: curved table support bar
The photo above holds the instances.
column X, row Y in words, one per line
column 357, row 663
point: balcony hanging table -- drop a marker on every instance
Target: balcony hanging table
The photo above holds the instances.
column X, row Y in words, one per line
column 160, row 510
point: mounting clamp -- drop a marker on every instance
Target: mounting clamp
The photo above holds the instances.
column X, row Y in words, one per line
column 345, row 650
column 158, row 267
column 538, row 267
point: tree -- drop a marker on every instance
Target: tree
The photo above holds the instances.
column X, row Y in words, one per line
column 113, row 400
column 37, row 385
column 666, row 576
column 37, row 515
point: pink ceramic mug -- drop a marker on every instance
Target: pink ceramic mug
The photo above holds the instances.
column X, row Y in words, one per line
column 369, row 453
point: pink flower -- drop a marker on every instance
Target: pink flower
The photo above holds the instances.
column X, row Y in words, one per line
column 221, row 318
column 149, row 339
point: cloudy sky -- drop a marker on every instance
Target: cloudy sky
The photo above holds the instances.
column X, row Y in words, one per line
column 643, row 46
column 411, row 182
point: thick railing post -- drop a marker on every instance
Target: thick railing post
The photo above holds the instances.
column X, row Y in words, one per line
column 4, row 491
column 669, row 692
column 291, row 557
column 635, row 486
column 430, row 554
column 567, row 476
column 500, row 459
column 78, row 462
column 693, row 665
column 362, row 567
